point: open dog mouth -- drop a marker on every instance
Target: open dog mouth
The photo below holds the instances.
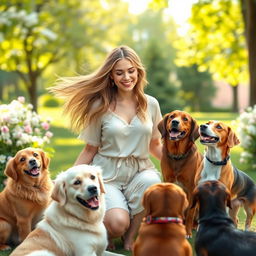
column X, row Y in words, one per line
column 176, row 134
column 34, row 171
column 205, row 138
column 92, row 203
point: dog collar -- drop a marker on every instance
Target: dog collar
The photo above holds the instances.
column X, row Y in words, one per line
column 223, row 162
column 161, row 220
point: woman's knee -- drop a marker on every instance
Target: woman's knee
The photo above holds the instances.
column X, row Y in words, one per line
column 117, row 222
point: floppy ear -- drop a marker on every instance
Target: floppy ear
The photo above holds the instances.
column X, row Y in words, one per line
column 194, row 198
column 146, row 202
column 194, row 130
column 59, row 192
column 232, row 139
column 10, row 170
column 102, row 188
column 45, row 159
column 162, row 125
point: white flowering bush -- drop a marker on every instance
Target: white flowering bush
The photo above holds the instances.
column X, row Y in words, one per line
column 247, row 133
column 20, row 127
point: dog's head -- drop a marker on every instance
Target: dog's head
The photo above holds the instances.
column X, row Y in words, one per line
column 27, row 165
column 212, row 196
column 178, row 125
column 165, row 199
column 80, row 189
column 217, row 134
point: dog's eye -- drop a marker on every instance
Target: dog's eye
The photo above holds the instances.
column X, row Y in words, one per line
column 185, row 119
column 77, row 182
column 92, row 177
column 22, row 159
column 171, row 116
column 35, row 154
column 218, row 126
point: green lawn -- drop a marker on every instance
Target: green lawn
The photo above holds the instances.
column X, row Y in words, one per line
column 67, row 147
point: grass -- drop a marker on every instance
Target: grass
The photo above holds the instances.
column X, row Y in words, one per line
column 67, row 147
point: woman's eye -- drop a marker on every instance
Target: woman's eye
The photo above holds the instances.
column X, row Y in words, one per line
column 131, row 71
column 77, row 182
column 119, row 74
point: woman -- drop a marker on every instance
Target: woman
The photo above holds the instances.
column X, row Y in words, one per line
column 118, row 123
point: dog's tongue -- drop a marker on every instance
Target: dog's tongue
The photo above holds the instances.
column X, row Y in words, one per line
column 174, row 133
column 34, row 171
column 93, row 202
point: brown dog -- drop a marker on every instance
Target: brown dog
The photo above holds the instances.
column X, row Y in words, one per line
column 181, row 159
column 217, row 234
column 162, row 232
column 25, row 196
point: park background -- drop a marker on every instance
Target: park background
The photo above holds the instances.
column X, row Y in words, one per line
column 199, row 56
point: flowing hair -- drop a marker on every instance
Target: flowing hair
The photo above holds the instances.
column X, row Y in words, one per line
column 87, row 97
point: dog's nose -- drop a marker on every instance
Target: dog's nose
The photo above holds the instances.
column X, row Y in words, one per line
column 203, row 127
column 92, row 189
column 175, row 122
column 32, row 161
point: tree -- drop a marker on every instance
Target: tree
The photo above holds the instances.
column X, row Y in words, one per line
column 217, row 44
column 248, row 8
column 36, row 34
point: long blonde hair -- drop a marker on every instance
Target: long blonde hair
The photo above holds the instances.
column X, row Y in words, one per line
column 82, row 92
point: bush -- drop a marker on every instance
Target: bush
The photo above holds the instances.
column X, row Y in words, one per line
column 247, row 131
column 48, row 100
column 20, row 127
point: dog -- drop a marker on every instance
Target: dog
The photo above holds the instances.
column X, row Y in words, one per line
column 181, row 159
column 219, row 138
column 73, row 222
column 217, row 234
column 162, row 232
column 25, row 197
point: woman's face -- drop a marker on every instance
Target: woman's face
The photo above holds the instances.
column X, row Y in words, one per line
column 125, row 75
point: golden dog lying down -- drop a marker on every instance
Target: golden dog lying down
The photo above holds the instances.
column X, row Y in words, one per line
column 25, row 196
column 73, row 223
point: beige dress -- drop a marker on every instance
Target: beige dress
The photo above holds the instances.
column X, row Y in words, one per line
column 124, row 155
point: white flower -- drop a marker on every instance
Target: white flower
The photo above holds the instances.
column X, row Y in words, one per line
column 2, row 159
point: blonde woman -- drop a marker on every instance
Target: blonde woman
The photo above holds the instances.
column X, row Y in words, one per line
column 118, row 122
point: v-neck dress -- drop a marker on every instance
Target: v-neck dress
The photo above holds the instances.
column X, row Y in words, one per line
column 124, row 148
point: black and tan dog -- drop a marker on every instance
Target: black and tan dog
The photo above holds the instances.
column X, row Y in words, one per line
column 217, row 234
column 219, row 139
column 181, row 159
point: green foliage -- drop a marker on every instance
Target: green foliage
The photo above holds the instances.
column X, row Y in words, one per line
column 196, row 89
column 48, row 100
column 216, row 41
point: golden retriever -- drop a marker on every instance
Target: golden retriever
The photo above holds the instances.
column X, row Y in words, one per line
column 73, row 222
column 25, row 197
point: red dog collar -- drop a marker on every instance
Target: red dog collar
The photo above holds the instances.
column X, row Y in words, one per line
column 155, row 220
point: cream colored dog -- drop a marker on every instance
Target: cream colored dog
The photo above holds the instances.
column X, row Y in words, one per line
column 73, row 223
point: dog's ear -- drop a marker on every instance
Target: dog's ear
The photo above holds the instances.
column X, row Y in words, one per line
column 232, row 139
column 59, row 192
column 162, row 125
column 102, row 188
column 146, row 202
column 45, row 159
column 194, row 198
column 194, row 130
column 10, row 169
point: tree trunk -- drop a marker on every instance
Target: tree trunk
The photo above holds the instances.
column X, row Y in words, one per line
column 32, row 90
column 249, row 15
column 235, row 99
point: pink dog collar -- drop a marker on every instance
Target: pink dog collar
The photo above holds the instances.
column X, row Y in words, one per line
column 161, row 220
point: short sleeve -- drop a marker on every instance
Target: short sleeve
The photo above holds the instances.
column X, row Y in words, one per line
column 156, row 117
column 92, row 133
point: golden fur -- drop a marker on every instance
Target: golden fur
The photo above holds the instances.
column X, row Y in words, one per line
column 25, row 196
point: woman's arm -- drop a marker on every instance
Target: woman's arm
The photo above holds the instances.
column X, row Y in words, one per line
column 87, row 154
column 155, row 148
